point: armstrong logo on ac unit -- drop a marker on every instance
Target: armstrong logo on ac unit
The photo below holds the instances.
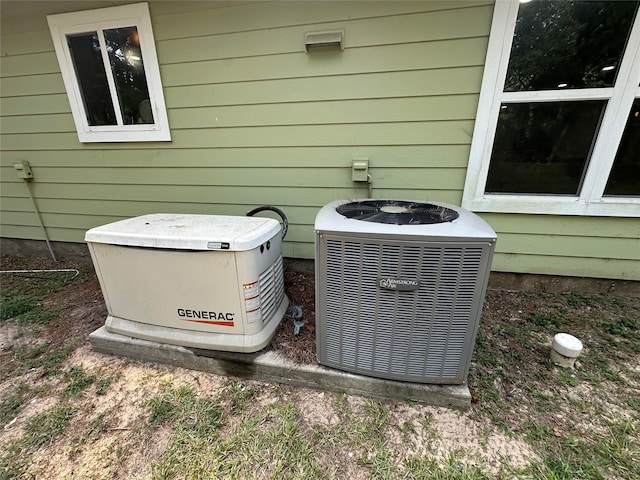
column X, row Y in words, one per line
column 398, row 284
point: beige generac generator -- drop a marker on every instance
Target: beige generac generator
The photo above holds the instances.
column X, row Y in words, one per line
column 205, row 281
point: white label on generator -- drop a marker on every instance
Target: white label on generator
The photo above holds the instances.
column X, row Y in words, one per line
column 218, row 245
column 251, row 290
column 252, row 304
column 254, row 316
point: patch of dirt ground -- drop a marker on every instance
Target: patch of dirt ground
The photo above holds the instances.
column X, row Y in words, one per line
column 520, row 398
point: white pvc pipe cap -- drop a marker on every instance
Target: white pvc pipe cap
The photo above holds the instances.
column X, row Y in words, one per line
column 567, row 345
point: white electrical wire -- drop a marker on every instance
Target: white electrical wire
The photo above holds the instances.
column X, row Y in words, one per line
column 77, row 272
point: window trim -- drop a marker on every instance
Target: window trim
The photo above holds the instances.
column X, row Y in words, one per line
column 591, row 200
column 136, row 15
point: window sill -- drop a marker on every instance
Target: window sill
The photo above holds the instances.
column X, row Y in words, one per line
column 554, row 205
column 133, row 135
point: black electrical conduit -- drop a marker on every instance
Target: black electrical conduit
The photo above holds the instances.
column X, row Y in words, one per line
column 285, row 222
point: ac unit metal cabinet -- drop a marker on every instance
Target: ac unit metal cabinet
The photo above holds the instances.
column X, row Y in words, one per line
column 205, row 281
column 400, row 301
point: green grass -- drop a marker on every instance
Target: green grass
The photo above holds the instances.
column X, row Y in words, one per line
column 240, row 394
column 586, row 458
column 617, row 453
column 103, row 383
column 264, row 444
column 37, row 316
column 555, row 398
column 268, row 441
column 39, row 356
column 22, row 294
column 594, row 456
column 9, row 407
column 563, row 466
column 12, row 461
column 78, row 381
column 634, row 403
column 485, row 370
column 619, row 449
column 96, row 428
column 52, row 358
column 28, row 353
column 625, row 327
column 43, row 428
column 568, row 379
column 41, row 284
column 371, row 428
column 12, row 404
column 535, row 432
column 419, row 468
column 552, row 321
column 26, row 309
column 597, row 369
column 40, row 430
column 16, row 304
column 92, row 433
column 376, row 418
column 186, row 410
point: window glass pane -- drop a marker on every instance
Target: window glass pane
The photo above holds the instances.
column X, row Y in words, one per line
column 90, row 72
column 543, row 147
column 625, row 174
column 563, row 44
column 123, row 46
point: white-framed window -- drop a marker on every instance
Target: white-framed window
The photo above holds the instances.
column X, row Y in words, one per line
column 558, row 123
column 110, row 70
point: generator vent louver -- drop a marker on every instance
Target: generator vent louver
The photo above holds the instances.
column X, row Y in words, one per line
column 271, row 289
column 421, row 334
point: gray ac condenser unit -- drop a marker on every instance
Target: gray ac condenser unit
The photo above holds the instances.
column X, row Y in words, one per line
column 399, row 288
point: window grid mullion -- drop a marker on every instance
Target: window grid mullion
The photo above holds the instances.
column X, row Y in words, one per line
column 489, row 105
column 110, row 80
column 614, row 120
column 578, row 94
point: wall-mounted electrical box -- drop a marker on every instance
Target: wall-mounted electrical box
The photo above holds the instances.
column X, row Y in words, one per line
column 360, row 170
column 23, row 169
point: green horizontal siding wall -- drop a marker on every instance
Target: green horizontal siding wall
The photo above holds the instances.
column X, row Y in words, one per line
column 255, row 120
column 600, row 247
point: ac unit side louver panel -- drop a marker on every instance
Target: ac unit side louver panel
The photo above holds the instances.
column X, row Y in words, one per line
column 424, row 335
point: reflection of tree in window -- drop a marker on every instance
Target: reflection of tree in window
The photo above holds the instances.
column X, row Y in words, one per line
column 90, row 72
column 625, row 174
column 543, row 147
column 123, row 47
column 567, row 44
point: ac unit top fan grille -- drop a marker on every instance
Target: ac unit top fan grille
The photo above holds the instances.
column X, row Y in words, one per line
column 397, row 212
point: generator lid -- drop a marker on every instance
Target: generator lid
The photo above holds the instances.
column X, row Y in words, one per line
column 187, row 232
